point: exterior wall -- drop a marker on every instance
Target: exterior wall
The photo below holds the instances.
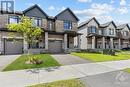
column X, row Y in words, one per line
column 59, row 26
column 66, row 15
column 35, row 12
column 106, row 30
column 44, row 24
column 83, row 30
column 3, row 20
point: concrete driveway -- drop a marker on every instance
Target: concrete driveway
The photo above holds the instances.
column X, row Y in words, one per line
column 67, row 59
column 7, row 59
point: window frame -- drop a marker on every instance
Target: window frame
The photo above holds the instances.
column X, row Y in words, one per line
column 125, row 33
column 16, row 17
column 111, row 31
column 38, row 19
column 69, row 27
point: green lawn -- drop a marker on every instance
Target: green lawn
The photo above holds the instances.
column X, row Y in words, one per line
column 127, row 70
column 64, row 83
column 101, row 58
column 19, row 63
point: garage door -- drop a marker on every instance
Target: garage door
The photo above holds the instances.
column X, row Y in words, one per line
column 55, row 46
column 13, row 46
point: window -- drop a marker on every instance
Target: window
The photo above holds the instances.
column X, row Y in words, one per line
column 50, row 25
column 100, row 32
column 111, row 31
column 37, row 22
column 125, row 33
column 92, row 29
column 67, row 25
column 14, row 19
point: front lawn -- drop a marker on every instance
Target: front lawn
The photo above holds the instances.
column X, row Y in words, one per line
column 101, row 58
column 127, row 70
column 64, row 83
column 19, row 63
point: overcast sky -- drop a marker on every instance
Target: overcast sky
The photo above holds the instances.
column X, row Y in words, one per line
column 103, row 10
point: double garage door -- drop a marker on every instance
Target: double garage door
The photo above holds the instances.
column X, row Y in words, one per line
column 55, row 46
column 13, row 46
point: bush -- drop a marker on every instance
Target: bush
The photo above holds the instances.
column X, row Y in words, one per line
column 35, row 60
column 89, row 51
column 109, row 52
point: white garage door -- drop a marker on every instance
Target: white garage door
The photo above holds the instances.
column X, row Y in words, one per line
column 13, row 46
column 55, row 46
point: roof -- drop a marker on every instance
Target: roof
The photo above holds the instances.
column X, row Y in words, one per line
column 86, row 22
column 34, row 6
column 10, row 12
column 107, row 24
column 120, row 27
column 69, row 11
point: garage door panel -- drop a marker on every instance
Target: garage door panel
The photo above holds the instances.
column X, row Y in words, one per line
column 13, row 47
column 55, row 46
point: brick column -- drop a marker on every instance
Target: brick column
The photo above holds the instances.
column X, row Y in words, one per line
column 119, row 43
column 111, row 43
column 93, row 42
column 78, row 41
column 65, row 42
column 103, row 42
column 46, row 40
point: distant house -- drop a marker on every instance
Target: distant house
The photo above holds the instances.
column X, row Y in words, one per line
column 103, row 36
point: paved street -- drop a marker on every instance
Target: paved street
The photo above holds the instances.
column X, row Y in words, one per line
column 7, row 59
column 110, row 79
column 23, row 78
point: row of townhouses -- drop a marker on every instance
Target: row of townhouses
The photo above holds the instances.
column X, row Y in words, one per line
column 61, row 33
column 103, row 36
column 58, row 35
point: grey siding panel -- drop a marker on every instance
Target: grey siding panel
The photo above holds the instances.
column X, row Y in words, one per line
column 35, row 13
column 66, row 16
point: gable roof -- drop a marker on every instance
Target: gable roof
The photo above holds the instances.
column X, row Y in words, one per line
column 120, row 27
column 86, row 22
column 35, row 6
column 67, row 9
column 107, row 24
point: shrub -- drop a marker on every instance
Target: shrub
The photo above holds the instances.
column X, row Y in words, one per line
column 109, row 52
column 35, row 60
column 89, row 51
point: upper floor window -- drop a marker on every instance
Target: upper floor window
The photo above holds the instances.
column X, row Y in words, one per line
column 125, row 33
column 14, row 19
column 37, row 22
column 100, row 32
column 111, row 31
column 67, row 25
column 92, row 29
column 50, row 25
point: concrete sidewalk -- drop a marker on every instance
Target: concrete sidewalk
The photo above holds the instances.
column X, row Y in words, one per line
column 7, row 59
column 24, row 78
